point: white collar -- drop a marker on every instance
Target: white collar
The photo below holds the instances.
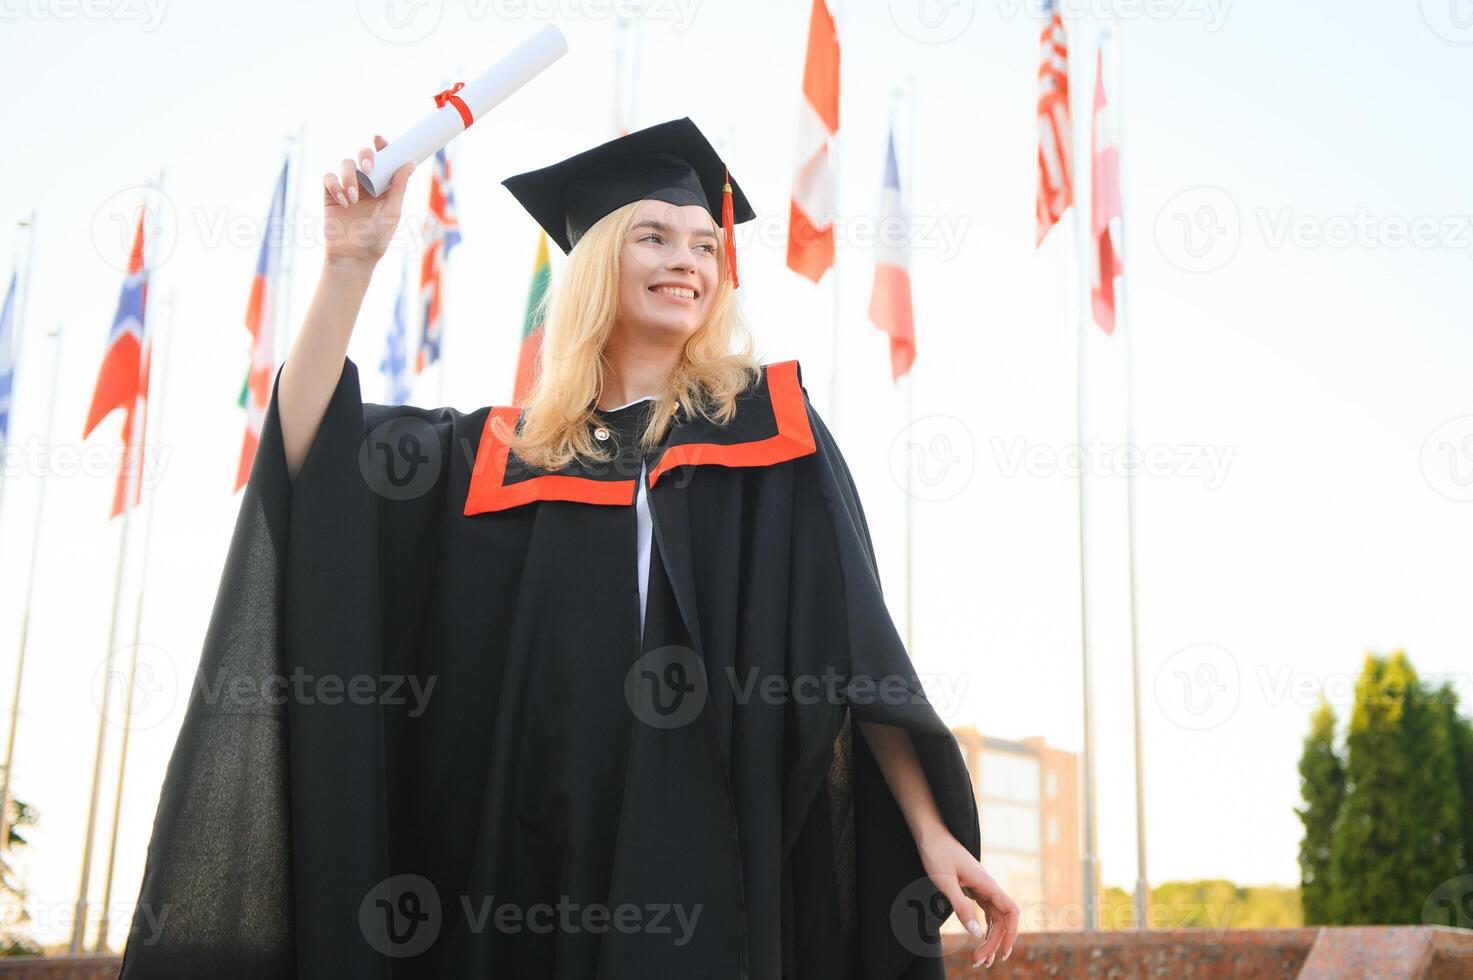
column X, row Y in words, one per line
column 627, row 404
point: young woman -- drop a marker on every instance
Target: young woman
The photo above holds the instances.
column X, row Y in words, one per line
column 609, row 650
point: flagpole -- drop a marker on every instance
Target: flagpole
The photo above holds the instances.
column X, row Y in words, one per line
column 25, row 618
column 1087, row 753
column 910, row 376
column 621, row 45
column 79, row 925
column 156, row 399
column 634, row 74
column 18, row 329
column 1142, row 883
column 833, row 419
column 405, row 302
column 295, row 149
column 452, row 171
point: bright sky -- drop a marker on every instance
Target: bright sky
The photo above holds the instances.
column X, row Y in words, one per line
column 1299, row 230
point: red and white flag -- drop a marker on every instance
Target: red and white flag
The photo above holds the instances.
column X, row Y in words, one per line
column 810, row 216
column 890, row 306
column 1104, row 205
column 260, row 320
column 442, row 233
column 122, row 381
column 1055, row 133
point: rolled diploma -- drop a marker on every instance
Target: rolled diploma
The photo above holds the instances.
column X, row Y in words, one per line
column 480, row 95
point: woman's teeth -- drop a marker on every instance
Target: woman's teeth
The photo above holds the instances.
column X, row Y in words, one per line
column 676, row 291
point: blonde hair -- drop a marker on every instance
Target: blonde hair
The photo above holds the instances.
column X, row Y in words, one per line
column 578, row 316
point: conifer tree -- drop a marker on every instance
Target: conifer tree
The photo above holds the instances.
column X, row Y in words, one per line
column 1322, row 784
column 1399, row 832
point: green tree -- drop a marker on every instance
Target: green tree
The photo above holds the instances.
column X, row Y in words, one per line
column 1207, row 904
column 1370, row 835
column 1322, row 784
column 1461, row 731
column 1431, row 720
column 1399, row 833
column 13, row 896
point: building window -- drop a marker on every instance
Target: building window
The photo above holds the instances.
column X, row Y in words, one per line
column 1009, row 776
column 1009, row 826
column 1051, row 778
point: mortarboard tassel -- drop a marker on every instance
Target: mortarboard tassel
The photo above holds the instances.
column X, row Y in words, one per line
column 728, row 225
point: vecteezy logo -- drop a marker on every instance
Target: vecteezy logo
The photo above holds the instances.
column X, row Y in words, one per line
column 933, row 458
column 400, row 21
column 400, row 916
column 916, row 915
column 1199, row 229
column 666, row 687
column 401, row 458
column 1451, row 20
column 115, row 225
column 1451, row 904
column 1198, row 687
column 932, row 21
column 155, row 688
column 1447, row 458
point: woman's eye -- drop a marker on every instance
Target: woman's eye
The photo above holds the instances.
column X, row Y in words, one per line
column 652, row 236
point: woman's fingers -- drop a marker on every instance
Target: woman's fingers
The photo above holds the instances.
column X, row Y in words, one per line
column 348, row 174
column 1003, row 915
column 394, row 200
column 966, row 912
column 333, row 190
column 986, row 948
column 342, row 187
column 1012, row 917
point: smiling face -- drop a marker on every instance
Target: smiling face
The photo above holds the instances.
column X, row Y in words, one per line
column 668, row 269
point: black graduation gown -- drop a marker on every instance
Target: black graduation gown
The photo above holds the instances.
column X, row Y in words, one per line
column 428, row 740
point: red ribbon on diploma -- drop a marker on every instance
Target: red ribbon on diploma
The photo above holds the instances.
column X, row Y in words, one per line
column 449, row 96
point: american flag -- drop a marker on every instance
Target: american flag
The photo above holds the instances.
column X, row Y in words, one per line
column 442, row 233
column 1055, row 179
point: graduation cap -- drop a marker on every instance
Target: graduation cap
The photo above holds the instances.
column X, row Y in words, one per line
column 671, row 162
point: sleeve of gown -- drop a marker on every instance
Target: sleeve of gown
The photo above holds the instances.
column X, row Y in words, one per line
column 839, row 623
column 270, row 817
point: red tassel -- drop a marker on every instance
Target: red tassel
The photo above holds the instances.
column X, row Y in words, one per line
column 728, row 224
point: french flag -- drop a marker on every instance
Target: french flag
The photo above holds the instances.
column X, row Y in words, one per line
column 260, row 320
column 122, row 381
column 890, row 306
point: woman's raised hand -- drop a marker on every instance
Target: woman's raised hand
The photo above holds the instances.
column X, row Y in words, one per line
column 357, row 226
